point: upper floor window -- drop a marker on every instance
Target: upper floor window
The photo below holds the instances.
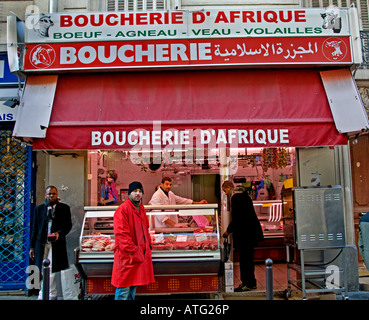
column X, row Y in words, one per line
column 136, row 5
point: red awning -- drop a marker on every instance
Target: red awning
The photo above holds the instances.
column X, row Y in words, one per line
column 244, row 108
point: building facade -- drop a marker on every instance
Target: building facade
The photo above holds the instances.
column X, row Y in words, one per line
column 64, row 167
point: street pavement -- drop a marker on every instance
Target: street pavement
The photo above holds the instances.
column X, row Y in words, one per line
column 22, row 295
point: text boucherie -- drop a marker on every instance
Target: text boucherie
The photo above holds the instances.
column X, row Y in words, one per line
column 114, row 19
column 129, row 53
column 220, row 137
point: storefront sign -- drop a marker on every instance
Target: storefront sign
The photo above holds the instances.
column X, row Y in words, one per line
column 158, row 138
column 160, row 53
column 8, row 90
column 7, row 114
column 183, row 39
column 211, row 108
column 6, row 77
column 116, row 26
column 184, row 138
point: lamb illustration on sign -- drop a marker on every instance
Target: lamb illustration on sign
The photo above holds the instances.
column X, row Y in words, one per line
column 331, row 20
column 42, row 26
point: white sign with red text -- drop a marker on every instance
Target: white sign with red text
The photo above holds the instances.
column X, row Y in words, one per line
column 117, row 26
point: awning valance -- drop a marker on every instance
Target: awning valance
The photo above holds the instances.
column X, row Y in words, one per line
column 241, row 108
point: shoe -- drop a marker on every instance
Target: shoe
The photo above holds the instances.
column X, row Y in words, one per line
column 244, row 288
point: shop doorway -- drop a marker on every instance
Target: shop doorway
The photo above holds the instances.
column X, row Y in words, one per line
column 262, row 172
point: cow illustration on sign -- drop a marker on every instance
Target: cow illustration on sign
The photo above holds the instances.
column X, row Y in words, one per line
column 331, row 20
column 42, row 26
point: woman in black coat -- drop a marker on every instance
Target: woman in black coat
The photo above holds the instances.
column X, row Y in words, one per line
column 60, row 217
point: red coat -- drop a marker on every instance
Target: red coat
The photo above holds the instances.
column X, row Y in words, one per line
column 132, row 251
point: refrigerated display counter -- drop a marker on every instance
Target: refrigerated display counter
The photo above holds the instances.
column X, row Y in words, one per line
column 185, row 259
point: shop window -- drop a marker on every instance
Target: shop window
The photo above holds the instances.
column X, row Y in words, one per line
column 261, row 171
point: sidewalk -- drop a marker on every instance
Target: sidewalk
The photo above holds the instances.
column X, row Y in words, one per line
column 15, row 295
column 280, row 284
column 279, row 287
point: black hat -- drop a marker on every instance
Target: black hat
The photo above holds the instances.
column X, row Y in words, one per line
column 135, row 185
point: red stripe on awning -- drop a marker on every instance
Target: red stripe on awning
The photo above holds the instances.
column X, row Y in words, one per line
column 248, row 100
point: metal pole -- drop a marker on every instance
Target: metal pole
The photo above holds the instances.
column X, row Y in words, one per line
column 269, row 279
column 53, row 6
column 224, row 175
column 45, row 279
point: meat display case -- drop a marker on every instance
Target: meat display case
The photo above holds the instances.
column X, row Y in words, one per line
column 185, row 259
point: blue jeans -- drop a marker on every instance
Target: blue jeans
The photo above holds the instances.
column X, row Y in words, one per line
column 127, row 293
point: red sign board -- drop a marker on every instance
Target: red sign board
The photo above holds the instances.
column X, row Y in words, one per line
column 188, row 52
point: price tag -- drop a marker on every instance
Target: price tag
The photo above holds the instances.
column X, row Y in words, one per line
column 209, row 229
column 200, row 237
column 159, row 237
column 181, row 238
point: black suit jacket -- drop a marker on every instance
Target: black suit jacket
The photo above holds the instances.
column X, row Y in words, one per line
column 62, row 224
column 245, row 224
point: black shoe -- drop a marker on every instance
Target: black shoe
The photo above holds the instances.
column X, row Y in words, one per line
column 244, row 288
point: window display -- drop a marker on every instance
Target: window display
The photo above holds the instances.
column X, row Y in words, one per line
column 198, row 231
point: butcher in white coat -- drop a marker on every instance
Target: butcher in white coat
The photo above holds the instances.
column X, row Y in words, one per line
column 163, row 196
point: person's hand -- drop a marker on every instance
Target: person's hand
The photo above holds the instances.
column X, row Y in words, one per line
column 225, row 234
column 32, row 254
column 201, row 202
column 181, row 225
column 53, row 237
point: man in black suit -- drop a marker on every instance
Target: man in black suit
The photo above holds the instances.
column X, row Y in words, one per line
column 247, row 232
column 51, row 223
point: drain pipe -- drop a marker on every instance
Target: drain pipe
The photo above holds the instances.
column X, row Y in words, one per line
column 53, row 6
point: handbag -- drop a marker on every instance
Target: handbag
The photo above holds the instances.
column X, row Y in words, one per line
column 71, row 281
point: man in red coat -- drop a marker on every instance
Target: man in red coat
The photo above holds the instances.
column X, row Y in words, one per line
column 132, row 251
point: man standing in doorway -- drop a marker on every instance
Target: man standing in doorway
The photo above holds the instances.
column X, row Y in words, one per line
column 247, row 232
column 132, row 265
column 164, row 196
column 51, row 223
